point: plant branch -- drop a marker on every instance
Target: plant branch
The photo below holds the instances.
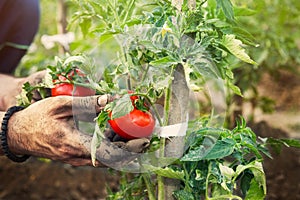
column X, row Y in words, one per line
column 149, row 187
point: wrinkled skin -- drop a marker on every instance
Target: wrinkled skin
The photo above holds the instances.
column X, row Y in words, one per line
column 47, row 129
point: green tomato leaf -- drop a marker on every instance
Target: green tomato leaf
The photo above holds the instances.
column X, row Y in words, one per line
column 221, row 149
column 287, row 142
column 71, row 59
column 258, row 172
column 102, row 118
column 96, row 141
column 227, row 172
column 243, row 11
column 255, row 191
column 246, row 179
column 22, row 98
column 227, row 8
column 164, row 62
column 166, row 172
column 48, row 81
column 85, row 25
column 183, row 195
column 277, row 144
column 122, row 107
column 234, row 46
column 234, row 88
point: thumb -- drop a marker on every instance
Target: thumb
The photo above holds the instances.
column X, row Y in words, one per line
column 119, row 154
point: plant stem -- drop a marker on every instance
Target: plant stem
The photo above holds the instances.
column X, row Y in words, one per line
column 160, row 188
column 146, row 179
column 131, row 4
column 145, row 73
column 158, row 117
column 187, row 179
column 226, row 196
column 206, row 182
column 113, row 9
column 128, row 82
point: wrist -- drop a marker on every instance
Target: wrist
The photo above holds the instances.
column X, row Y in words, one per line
column 1, row 117
column 10, row 140
column 14, row 139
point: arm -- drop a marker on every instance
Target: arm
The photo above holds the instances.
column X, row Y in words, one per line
column 48, row 129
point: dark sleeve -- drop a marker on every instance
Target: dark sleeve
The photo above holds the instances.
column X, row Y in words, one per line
column 19, row 21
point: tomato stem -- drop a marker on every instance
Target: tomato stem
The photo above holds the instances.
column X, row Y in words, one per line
column 156, row 113
column 149, row 187
column 145, row 73
column 128, row 82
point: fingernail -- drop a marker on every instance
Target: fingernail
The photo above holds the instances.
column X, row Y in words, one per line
column 102, row 100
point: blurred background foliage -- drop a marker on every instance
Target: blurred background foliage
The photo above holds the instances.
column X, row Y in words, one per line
column 274, row 28
column 270, row 26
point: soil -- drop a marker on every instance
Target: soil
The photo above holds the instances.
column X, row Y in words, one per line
column 36, row 179
column 283, row 171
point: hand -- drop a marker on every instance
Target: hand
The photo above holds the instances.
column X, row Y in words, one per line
column 14, row 88
column 47, row 129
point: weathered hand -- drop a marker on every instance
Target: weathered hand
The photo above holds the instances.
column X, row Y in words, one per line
column 47, row 129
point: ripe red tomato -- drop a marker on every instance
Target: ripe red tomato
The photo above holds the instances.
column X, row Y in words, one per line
column 71, row 90
column 136, row 124
column 68, row 88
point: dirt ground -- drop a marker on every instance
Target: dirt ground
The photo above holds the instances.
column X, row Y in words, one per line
column 36, row 180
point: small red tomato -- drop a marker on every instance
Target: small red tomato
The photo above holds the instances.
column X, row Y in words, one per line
column 136, row 124
column 68, row 88
column 71, row 90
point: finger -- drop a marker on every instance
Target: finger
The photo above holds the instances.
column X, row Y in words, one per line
column 112, row 136
column 36, row 77
column 137, row 145
column 109, row 134
column 114, row 154
column 85, row 108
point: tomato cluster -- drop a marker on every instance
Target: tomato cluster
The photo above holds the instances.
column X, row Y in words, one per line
column 136, row 124
column 70, row 89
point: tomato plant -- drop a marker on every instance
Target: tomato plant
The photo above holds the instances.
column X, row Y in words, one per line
column 169, row 41
column 217, row 163
column 165, row 44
